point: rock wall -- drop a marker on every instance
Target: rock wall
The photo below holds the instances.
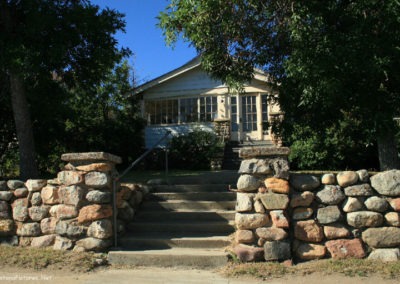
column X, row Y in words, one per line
column 262, row 201
column 305, row 217
column 72, row 211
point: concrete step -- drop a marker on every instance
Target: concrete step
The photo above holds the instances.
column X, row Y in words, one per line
column 220, row 215
column 210, row 177
column 173, row 257
column 206, row 188
column 163, row 241
column 195, row 196
column 183, row 227
column 171, row 205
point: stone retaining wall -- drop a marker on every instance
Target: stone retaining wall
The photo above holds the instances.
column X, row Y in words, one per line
column 304, row 217
column 72, row 211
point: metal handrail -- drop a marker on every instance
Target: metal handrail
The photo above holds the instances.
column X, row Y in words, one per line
column 118, row 177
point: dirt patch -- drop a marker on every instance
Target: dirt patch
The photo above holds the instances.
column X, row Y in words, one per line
column 19, row 265
column 346, row 268
column 40, row 258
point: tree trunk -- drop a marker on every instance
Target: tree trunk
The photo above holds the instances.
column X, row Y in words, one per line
column 23, row 125
column 387, row 150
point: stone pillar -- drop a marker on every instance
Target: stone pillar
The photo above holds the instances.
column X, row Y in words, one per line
column 97, row 171
column 84, row 213
column 222, row 128
column 262, row 200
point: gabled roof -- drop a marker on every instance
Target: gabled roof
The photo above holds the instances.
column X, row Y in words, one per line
column 194, row 63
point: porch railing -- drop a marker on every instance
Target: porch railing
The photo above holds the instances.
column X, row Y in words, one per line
column 118, row 178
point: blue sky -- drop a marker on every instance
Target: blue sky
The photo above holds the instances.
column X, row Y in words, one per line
column 152, row 57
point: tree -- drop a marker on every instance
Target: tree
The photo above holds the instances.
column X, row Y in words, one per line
column 333, row 62
column 7, row 128
column 71, row 41
column 102, row 118
column 105, row 118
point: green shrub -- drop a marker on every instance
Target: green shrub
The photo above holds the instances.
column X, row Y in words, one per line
column 195, row 150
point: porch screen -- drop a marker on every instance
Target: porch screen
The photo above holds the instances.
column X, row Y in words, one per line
column 188, row 110
column 197, row 109
column 162, row 112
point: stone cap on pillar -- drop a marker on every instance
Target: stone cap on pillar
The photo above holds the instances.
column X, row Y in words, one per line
column 91, row 157
column 220, row 120
column 264, row 151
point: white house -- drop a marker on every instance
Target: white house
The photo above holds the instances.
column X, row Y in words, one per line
column 188, row 97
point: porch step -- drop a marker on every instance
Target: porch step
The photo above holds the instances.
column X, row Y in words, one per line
column 172, row 257
column 194, row 196
column 231, row 157
column 206, row 188
column 222, row 177
column 171, row 240
column 171, row 205
column 219, row 215
column 182, row 227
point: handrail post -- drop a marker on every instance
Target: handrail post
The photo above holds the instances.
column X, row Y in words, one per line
column 166, row 164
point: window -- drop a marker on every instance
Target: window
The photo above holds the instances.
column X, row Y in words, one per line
column 188, row 110
column 198, row 109
column 249, row 113
column 234, row 114
column 162, row 112
column 208, row 108
column 264, row 109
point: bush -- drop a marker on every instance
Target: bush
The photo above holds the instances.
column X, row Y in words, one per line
column 195, row 150
column 332, row 148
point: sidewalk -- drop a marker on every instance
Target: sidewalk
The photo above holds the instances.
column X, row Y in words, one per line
column 155, row 275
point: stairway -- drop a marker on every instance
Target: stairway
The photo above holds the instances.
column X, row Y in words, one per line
column 231, row 156
column 185, row 223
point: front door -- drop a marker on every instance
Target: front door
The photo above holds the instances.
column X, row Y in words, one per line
column 244, row 124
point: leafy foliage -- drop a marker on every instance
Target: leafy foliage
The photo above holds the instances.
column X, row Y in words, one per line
column 7, row 132
column 103, row 119
column 334, row 64
column 77, row 120
column 195, row 150
column 49, row 48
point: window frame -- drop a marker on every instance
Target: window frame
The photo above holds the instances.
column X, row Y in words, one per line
column 206, row 110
